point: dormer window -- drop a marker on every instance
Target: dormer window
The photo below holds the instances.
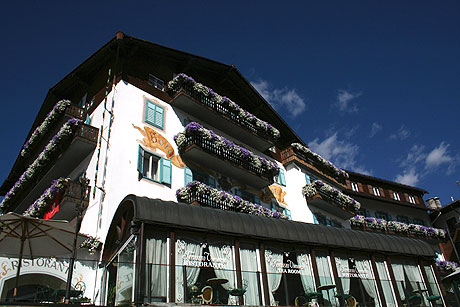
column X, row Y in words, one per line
column 156, row 82
column 411, row 199
column 396, row 196
column 354, row 186
column 376, row 191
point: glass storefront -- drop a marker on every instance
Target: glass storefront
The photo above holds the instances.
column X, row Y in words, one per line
column 409, row 280
column 385, row 281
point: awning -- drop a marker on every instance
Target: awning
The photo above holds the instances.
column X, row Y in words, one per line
column 193, row 217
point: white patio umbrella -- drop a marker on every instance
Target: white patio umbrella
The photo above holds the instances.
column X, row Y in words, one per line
column 33, row 237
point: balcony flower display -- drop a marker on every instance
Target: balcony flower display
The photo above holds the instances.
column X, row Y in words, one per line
column 91, row 243
column 320, row 160
column 397, row 227
column 39, row 207
column 448, row 266
column 222, row 199
column 318, row 186
column 223, row 104
column 49, row 153
column 219, row 142
column 51, row 118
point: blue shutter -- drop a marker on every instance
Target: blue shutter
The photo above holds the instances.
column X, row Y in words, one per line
column 315, row 220
column 159, row 116
column 140, row 160
column 150, row 113
column 288, row 213
column 188, row 175
column 282, row 178
column 307, row 179
column 88, row 120
column 165, row 171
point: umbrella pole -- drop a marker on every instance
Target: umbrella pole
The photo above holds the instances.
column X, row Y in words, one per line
column 18, row 271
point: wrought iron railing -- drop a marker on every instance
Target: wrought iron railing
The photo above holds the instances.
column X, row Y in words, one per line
column 224, row 110
column 226, row 154
column 88, row 133
column 75, row 112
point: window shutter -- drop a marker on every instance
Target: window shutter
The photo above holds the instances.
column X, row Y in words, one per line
column 288, row 213
column 150, row 113
column 140, row 160
column 282, row 178
column 165, row 169
column 315, row 220
column 188, row 175
column 307, row 179
column 159, row 116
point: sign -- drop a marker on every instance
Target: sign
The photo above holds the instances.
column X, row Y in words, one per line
column 53, row 207
column 154, row 140
column 288, row 267
column 191, row 258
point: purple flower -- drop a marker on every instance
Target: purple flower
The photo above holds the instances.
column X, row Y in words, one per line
column 238, row 199
column 244, row 152
column 193, row 127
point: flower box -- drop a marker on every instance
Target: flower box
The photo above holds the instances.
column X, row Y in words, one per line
column 320, row 189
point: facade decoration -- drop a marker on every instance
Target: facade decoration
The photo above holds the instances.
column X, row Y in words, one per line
column 312, row 189
column 274, row 191
column 219, row 142
column 320, row 160
column 50, row 152
column 208, row 196
column 53, row 116
column 152, row 139
column 225, row 105
column 397, row 227
column 39, row 207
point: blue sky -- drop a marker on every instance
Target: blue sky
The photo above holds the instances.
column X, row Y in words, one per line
column 371, row 85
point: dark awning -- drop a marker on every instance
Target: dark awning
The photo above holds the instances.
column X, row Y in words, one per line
column 191, row 217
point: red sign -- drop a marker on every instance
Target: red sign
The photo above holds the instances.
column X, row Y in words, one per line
column 53, row 208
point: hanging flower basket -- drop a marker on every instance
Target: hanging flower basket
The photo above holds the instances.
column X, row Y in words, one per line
column 39, row 207
column 312, row 190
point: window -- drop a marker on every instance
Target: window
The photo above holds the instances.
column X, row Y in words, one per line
column 376, row 191
column 363, row 212
column 153, row 167
column 88, row 120
column 396, row 196
column 156, row 82
column 418, row 222
column 403, row 219
column 383, row 215
column 354, row 186
column 154, row 114
column 322, row 220
column 287, row 212
column 307, row 179
column 191, row 175
column 411, row 199
column 281, row 178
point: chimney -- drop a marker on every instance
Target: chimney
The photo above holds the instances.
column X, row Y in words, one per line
column 438, row 202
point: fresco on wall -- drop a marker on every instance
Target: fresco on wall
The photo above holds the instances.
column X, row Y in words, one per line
column 154, row 140
column 273, row 191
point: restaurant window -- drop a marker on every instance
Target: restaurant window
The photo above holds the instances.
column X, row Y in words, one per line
column 289, row 275
column 250, row 274
column 120, row 273
column 357, row 278
column 385, row 281
column 153, row 167
column 205, row 271
column 154, row 114
column 409, row 281
column 327, row 283
column 155, row 267
column 431, row 280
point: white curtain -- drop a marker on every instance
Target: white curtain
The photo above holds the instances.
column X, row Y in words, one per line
column 273, row 261
column 364, row 269
column 386, row 283
column 324, row 272
column 186, row 252
column 342, row 265
column 306, row 274
column 398, row 270
column 249, row 274
column 415, row 278
column 155, row 260
column 222, row 257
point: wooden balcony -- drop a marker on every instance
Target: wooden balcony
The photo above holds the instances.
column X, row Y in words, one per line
column 82, row 144
column 203, row 153
column 221, row 117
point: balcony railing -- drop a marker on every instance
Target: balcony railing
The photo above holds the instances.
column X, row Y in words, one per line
column 62, row 192
column 204, row 147
column 220, row 112
column 199, row 193
column 61, row 155
column 360, row 222
column 303, row 154
column 330, row 195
